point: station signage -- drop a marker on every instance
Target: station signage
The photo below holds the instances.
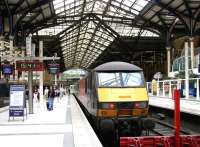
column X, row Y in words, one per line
column 17, row 101
column 7, row 69
column 29, row 65
column 54, row 68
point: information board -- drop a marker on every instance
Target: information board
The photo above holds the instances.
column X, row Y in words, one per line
column 17, row 101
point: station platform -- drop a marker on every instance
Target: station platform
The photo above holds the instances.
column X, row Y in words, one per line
column 65, row 126
column 186, row 105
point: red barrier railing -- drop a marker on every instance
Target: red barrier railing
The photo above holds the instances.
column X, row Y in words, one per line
column 164, row 141
column 160, row 141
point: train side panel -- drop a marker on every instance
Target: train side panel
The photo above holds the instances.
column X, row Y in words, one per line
column 82, row 95
column 87, row 94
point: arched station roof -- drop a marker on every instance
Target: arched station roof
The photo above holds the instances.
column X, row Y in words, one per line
column 84, row 29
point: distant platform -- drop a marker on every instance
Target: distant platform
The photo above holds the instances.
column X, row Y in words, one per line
column 186, row 105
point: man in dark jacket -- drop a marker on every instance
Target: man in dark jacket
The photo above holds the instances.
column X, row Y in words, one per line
column 51, row 96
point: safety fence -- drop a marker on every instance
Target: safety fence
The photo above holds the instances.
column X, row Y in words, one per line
column 176, row 140
column 164, row 88
column 160, row 141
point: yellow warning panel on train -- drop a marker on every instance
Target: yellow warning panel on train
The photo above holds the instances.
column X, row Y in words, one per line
column 122, row 94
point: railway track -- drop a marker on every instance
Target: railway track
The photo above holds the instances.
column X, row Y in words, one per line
column 163, row 129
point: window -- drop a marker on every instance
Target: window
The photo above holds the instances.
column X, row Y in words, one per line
column 121, row 79
column 132, row 79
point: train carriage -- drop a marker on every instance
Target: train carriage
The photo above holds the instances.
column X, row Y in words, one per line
column 115, row 96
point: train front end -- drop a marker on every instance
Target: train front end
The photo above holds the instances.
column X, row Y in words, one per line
column 122, row 102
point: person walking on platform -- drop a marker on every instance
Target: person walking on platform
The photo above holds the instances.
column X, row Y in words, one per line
column 46, row 93
column 51, row 96
column 35, row 96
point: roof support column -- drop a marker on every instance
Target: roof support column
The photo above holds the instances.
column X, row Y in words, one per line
column 192, row 51
column 1, row 50
column 168, row 60
column 41, row 76
column 11, row 43
column 1, row 43
column 15, row 75
column 186, row 70
column 23, row 55
column 30, row 74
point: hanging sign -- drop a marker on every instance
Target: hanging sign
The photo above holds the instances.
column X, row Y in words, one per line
column 7, row 69
column 54, row 68
column 29, row 65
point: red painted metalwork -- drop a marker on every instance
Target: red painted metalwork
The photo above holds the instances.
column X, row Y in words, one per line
column 177, row 116
column 160, row 141
column 164, row 141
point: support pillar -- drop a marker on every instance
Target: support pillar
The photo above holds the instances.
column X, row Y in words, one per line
column 198, row 89
column 30, row 76
column 186, row 71
column 158, row 87
column 41, row 75
column 30, row 89
column 1, row 51
column 168, row 60
column 60, row 76
column 55, row 79
column 2, row 43
column 11, row 43
column 170, row 89
column 23, row 73
column 163, row 84
column 192, row 52
column 15, row 77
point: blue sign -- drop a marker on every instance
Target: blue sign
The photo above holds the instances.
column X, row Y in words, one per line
column 17, row 100
column 16, row 112
column 7, row 69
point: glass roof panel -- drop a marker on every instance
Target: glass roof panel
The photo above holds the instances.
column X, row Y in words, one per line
column 126, row 30
column 52, row 30
column 83, row 41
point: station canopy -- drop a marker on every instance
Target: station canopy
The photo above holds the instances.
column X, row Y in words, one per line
column 86, row 28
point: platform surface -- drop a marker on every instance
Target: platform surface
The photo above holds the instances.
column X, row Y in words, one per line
column 65, row 126
column 186, row 105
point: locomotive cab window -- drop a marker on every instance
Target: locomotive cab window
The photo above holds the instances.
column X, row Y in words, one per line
column 120, row 79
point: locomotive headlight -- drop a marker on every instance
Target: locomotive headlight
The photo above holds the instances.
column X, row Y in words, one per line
column 140, row 105
column 108, row 105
